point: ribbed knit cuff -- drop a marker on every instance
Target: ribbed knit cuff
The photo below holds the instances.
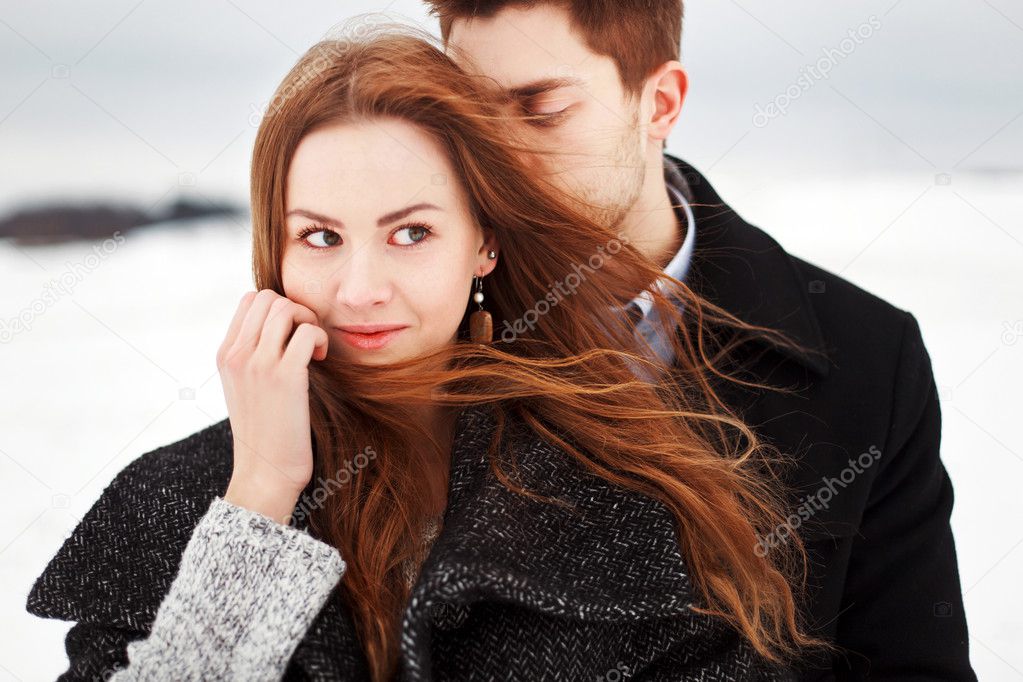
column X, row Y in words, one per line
column 247, row 590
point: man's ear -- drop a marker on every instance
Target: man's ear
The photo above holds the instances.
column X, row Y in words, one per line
column 667, row 88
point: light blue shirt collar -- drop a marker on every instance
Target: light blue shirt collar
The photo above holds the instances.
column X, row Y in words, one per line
column 678, row 267
column 649, row 325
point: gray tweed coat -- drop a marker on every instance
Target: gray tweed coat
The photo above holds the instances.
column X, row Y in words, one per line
column 512, row 589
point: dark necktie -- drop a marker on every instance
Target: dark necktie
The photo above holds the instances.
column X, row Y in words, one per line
column 633, row 315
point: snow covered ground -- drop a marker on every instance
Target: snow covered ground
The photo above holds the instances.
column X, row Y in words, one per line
column 122, row 362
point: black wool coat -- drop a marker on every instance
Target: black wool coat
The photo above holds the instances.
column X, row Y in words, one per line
column 865, row 428
column 512, row 589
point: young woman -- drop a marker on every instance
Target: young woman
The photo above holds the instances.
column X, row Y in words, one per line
column 448, row 455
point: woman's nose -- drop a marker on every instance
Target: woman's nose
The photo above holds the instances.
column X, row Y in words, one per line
column 362, row 280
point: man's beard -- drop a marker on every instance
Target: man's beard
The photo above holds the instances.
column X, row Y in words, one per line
column 610, row 199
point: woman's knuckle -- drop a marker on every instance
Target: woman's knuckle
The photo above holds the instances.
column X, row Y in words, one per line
column 234, row 360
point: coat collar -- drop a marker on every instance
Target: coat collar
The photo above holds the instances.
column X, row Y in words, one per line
column 608, row 555
column 612, row 556
column 742, row 269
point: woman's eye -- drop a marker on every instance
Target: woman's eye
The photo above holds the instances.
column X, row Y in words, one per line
column 411, row 235
column 328, row 237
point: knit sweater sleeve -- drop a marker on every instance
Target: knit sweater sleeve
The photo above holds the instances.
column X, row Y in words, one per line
column 245, row 593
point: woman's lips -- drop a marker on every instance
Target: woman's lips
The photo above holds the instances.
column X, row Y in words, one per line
column 369, row 337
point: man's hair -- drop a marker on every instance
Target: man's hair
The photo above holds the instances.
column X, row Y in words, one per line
column 639, row 35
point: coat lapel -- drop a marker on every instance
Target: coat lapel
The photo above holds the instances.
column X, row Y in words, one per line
column 613, row 556
column 742, row 269
column 120, row 560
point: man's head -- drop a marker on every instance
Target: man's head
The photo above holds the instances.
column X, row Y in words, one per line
column 602, row 75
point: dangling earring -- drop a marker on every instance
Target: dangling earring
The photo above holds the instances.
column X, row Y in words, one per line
column 481, row 324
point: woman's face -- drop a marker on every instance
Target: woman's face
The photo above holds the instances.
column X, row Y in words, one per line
column 379, row 234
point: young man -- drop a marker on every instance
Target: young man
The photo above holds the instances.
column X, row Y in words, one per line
column 875, row 499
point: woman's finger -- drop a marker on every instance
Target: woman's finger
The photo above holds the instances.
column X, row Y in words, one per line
column 252, row 326
column 284, row 316
column 308, row 342
column 236, row 324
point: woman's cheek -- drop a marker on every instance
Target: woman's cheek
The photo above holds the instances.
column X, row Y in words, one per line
column 292, row 288
column 301, row 286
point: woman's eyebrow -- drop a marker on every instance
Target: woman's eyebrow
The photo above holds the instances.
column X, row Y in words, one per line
column 314, row 216
column 383, row 220
column 398, row 215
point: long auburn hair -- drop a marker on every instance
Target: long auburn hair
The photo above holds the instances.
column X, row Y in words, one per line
column 573, row 371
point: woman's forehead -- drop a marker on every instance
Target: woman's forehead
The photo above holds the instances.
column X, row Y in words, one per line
column 370, row 168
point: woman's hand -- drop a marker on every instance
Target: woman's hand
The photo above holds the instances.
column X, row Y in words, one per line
column 266, row 386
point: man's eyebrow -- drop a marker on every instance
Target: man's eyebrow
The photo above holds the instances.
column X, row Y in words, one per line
column 543, row 85
column 391, row 217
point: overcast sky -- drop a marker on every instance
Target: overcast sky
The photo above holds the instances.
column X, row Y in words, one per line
column 112, row 98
